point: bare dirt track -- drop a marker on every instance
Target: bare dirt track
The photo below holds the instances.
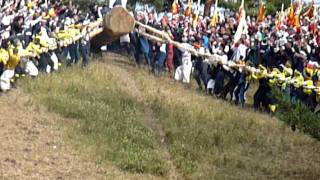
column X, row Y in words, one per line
column 32, row 145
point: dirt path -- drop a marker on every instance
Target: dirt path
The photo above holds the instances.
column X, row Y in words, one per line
column 130, row 83
column 32, row 145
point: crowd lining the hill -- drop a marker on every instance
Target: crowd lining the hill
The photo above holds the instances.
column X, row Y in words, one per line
column 39, row 36
column 284, row 48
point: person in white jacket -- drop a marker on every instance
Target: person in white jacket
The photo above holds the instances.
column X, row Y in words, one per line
column 183, row 72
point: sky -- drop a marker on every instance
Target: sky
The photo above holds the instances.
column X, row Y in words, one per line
column 316, row 1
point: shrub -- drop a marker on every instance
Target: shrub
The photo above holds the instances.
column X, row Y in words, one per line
column 297, row 114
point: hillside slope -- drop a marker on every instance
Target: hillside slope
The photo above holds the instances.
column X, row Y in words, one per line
column 33, row 145
column 158, row 127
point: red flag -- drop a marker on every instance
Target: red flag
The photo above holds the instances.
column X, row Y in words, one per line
column 310, row 11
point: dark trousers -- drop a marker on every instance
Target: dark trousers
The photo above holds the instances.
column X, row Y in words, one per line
column 196, row 75
column 1, row 68
column 229, row 88
column 74, row 53
column 126, row 48
column 158, row 65
column 43, row 62
column 218, row 86
column 261, row 97
column 239, row 93
column 84, row 51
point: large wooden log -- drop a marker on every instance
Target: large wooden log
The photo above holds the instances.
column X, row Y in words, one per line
column 116, row 23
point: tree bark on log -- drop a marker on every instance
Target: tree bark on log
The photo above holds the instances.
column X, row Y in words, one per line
column 115, row 24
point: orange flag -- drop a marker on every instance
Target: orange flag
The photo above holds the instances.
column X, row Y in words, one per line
column 298, row 9
column 261, row 14
column 290, row 15
column 188, row 10
column 175, row 7
column 297, row 21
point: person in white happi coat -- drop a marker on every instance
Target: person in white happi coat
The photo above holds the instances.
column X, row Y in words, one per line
column 183, row 72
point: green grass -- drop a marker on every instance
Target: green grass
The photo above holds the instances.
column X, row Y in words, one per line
column 211, row 139
column 108, row 119
column 206, row 138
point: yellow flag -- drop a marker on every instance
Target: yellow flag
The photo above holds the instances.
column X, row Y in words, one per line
column 175, row 7
column 214, row 19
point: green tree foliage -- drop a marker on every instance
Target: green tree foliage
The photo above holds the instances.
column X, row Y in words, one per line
column 159, row 4
column 252, row 7
column 297, row 115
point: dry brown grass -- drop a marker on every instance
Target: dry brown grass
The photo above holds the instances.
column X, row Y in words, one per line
column 210, row 138
column 205, row 138
column 33, row 145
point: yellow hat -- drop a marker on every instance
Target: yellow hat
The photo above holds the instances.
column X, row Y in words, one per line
column 309, row 72
column 288, row 71
column 51, row 13
column 30, row 5
column 273, row 107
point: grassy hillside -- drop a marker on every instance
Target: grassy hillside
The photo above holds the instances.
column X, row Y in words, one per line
column 143, row 124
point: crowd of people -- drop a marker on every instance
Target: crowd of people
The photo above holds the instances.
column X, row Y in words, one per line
column 37, row 36
column 287, row 55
